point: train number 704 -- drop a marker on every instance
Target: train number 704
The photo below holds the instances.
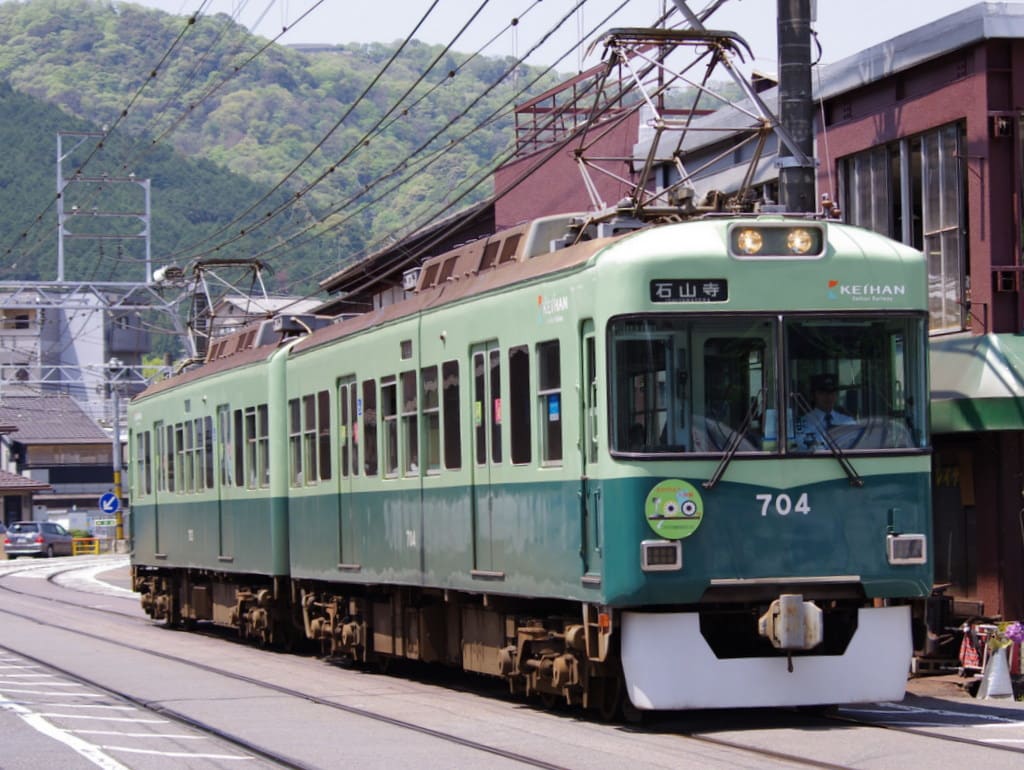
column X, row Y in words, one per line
column 783, row 504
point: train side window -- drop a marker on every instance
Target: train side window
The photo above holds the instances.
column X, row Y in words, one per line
column 590, row 368
column 370, row 426
column 309, row 439
column 323, row 423
column 263, row 445
column 389, row 417
column 410, row 429
column 250, row 448
column 294, row 443
column 348, row 460
column 158, row 453
column 202, row 450
column 354, row 406
column 208, row 451
column 431, row 406
column 549, row 402
column 143, row 478
column 494, row 399
column 452, row 424
column 480, row 408
column 179, row 457
column 192, row 476
column 240, row 444
column 225, row 446
column 519, row 404
column 171, row 458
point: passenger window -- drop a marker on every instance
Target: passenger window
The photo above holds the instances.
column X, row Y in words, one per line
column 452, row 421
column 549, row 402
column 519, row 403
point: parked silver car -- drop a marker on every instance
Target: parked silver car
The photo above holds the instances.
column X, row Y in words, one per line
column 37, row 538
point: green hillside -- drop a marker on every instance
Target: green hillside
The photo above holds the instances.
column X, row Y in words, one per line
column 217, row 119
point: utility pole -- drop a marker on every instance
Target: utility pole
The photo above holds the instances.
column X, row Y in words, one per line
column 796, row 107
column 116, row 369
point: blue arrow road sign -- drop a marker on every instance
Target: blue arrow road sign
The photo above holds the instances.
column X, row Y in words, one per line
column 109, row 503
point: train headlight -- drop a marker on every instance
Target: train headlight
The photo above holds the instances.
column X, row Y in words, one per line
column 906, row 549
column 749, row 241
column 777, row 240
column 799, row 241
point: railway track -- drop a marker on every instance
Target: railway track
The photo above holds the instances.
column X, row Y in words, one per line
column 694, row 734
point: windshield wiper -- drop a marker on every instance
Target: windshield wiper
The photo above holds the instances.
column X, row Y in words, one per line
column 735, row 438
column 851, row 472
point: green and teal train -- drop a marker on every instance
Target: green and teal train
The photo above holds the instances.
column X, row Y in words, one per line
column 594, row 463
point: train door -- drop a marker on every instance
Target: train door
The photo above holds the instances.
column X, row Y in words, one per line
column 225, row 444
column 486, row 359
column 348, row 459
column 590, row 491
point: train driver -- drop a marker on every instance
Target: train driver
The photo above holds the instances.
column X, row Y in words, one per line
column 824, row 415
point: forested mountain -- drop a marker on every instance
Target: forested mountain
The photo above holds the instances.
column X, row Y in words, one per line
column 218, row 119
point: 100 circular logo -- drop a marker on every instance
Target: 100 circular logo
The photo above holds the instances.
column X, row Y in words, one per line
column 674, row 509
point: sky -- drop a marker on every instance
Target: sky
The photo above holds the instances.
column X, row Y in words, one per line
column 843, row 26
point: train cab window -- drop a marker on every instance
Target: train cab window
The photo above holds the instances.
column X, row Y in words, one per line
column 519, row 404
column 857, row 384
column 684, row 384
column 451, row 412
column 431, row 406
column 370, row 426
column 410, row 426
column 549, row 402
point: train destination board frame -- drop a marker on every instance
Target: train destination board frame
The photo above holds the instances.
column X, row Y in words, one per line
column 689, row 290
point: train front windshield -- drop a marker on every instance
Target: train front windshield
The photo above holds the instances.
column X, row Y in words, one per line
column 792, row 384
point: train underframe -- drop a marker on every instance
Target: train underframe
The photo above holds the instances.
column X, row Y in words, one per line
column 586, row 655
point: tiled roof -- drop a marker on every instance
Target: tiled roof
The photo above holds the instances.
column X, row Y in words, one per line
column 49, row 419
column 12, row 482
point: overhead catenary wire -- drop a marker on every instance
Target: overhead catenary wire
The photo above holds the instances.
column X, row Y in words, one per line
column 404, row 164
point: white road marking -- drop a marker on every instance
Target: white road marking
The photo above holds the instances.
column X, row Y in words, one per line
column 179, row 754
column 85, row 749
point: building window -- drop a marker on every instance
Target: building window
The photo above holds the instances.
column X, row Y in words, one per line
column 912, row 190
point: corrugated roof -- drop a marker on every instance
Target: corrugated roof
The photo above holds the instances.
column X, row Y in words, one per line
column 49, row 419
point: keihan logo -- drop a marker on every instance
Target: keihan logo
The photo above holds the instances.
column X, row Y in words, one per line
column 865, row 292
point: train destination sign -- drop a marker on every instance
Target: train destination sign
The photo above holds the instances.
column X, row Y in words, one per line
column 689, row 290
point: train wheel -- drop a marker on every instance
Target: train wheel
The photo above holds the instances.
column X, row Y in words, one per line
column 609, row 701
